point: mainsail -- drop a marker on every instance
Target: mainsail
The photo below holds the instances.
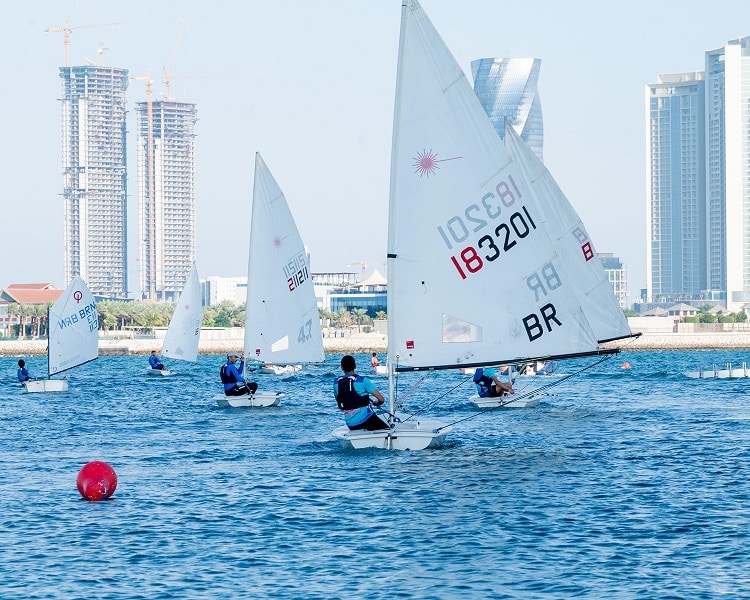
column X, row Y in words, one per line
column 282, row 323
column 183, row 334
column 487, row 260
column 73, row 328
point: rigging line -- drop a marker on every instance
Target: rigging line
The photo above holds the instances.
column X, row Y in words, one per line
column 533, row 392
column 421, row 410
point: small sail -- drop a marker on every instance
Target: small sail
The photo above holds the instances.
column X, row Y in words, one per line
column 73, row 328
column 479, row 269
column 282, row 323
column 183, row 334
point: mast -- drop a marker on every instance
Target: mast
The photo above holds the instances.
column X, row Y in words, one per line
column 391, row 256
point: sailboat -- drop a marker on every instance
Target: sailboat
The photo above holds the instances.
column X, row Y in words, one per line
column 282, row 323
column 184, row 331
column 487, row 263
column 72, row 336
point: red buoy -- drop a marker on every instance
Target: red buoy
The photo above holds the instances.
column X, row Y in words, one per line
column 96, row 481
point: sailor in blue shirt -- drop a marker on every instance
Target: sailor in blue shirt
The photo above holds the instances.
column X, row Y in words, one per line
column 154, row 361
column 489, row 385
column 352, row 393
column 231, row 377
column 23, row 374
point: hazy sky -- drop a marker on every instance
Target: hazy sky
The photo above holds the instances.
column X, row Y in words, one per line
column 310, row 85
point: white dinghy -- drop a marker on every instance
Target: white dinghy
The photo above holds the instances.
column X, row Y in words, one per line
column 282, row 323
column 184, row 331
column 488, row 264
column 72, row 336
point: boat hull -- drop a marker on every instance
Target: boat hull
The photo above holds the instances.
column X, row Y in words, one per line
column 503, row 401
column 279, row 369
column 159, row 372
column 46, row 385
column 256, row 400
column 414, row 434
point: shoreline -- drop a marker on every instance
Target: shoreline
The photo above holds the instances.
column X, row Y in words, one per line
column 366, row 343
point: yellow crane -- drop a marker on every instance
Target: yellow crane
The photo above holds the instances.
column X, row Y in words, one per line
column 67, row 29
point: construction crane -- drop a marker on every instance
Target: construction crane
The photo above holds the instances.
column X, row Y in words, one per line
column 67, row 29
column 151, row 200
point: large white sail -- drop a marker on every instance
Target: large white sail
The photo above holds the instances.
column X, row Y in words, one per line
column 183, row 334
column 282, row 323
column 73, row 328
column 479, row 271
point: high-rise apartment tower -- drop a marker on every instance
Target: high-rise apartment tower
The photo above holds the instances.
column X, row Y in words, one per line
column 676, row 250
column 166, row 196
column 94, row 177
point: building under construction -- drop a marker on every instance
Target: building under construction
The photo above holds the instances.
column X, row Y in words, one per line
column 166, row 196
column 95, row 177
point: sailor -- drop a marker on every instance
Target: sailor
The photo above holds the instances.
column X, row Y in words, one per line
column 23, row 374
column 489, row 385
column 154, row 361
column 231, row 377
column 352, row 393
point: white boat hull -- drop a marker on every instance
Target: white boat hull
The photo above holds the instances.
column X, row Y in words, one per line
column 714, row 372
column 504, row 401
column 47, row 385
column 159, row 372
column 256, row 400
column 279, row 369
column 414, row 434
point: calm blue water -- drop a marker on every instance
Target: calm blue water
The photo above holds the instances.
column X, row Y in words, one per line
column 624, row 483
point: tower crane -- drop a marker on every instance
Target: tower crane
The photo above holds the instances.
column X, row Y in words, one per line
column 67, row 29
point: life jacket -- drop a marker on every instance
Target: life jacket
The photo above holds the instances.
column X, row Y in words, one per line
column 484, row 382
column 346, row 396
column 226, row 376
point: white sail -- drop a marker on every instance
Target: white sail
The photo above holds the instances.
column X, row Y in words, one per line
column 479, row 268
column 73, row 328
column 282, row 323
column 593, row 290
column 183, row 334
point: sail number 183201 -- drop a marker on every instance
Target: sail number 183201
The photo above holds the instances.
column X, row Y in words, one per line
column 517, row 226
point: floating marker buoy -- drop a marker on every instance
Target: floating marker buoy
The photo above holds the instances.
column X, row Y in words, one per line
column 96, row 481
column 626, row 365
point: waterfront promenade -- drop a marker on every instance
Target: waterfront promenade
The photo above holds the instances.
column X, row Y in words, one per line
column 362, row 343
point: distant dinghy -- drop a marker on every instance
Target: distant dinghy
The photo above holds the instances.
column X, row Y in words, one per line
column 72, row 336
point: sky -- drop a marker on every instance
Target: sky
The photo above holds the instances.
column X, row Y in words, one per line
column 310, row 85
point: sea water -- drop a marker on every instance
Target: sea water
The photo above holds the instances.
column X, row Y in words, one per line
column 624, row 483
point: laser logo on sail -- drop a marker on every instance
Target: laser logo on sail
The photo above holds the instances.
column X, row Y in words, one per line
column 426, row 162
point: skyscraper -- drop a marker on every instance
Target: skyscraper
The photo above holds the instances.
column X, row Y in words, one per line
column 507, row 89
column 94, row 177
column 166, row 196
column 728, row 165
column 676, row 251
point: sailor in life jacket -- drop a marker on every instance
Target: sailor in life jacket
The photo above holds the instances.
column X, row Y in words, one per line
column 231, row 377
column 352, row 393
column 489, row 385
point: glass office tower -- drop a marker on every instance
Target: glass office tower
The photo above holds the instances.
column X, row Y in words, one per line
column 507, row 89
column 676, row 186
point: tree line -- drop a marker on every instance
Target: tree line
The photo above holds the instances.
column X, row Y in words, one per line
column 144, row 316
